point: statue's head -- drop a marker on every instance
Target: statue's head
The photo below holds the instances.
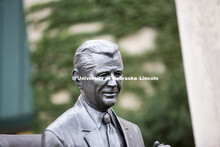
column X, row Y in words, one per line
column 98, row 59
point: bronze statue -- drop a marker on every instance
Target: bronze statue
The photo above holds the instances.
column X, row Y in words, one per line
column 92, row 122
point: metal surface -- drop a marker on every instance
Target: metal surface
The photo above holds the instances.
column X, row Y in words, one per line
column 20, row 140
column 76, row 127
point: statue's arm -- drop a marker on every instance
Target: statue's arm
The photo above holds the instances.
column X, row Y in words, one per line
column 49, row 139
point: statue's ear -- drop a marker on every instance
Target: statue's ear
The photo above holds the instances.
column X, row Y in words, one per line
column 75, row 78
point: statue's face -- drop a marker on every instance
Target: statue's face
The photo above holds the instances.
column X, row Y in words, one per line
column 102, row 94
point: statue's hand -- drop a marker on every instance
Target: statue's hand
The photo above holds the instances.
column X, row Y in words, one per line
column 157, row 144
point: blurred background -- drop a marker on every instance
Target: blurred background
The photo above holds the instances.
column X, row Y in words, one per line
column 39, row 38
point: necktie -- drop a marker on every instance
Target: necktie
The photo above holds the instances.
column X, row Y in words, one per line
column 111, row 132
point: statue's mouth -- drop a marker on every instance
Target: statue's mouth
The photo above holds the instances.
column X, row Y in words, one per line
column 110, row 94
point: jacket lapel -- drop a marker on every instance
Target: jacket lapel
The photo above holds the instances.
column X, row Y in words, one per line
column 125, row 130
column 94, row 139
column 88, row 127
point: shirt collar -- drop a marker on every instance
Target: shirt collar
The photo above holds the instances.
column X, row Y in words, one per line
column 95, row 114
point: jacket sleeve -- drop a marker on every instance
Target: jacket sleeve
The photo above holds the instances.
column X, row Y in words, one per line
column 49, row 139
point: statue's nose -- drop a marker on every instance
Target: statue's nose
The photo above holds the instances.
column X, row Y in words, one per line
column 112, row 81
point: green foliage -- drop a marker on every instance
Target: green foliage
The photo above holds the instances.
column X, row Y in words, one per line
column 164, row 116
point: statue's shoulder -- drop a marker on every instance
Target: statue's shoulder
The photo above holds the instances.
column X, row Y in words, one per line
column 63, row 120
column 68, row 127
column 57, row 129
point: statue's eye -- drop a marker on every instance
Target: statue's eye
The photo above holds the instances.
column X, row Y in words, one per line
column 103, row 75
column 118, row 74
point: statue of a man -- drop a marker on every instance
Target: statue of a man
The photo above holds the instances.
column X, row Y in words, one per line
column 92, row 122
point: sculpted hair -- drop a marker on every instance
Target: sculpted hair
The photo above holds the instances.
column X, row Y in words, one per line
column 83, row 60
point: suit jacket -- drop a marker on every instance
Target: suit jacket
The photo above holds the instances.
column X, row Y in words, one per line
column 75, row 128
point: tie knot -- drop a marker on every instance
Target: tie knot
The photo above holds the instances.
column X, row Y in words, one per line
column 106, row 118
